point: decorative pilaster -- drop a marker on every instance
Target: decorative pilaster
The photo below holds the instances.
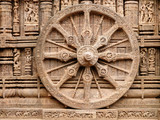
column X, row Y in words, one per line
column 6, row 17
column 131, row 14
column 143, row 64
column 16, row 26
column 17, row 62
column 46, row 11
column 151, row 61
column 28, row 61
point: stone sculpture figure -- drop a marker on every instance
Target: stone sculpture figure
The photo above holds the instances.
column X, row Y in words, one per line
column 31, row 11
column 147, row 12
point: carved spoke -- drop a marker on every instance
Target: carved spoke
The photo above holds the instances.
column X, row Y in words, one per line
column 75, row 90
column 99, row 25
column 112, row 30
column 112, row 56
column 62, row 55
column 99, row 89
column 59, row 67
column 87, row 32
column 104, row 39
column 70, row 72
column 70, row 39
column 74, row 26
column 103, row 72
column 113, row 66
column 60, row 45
column 87, row 80
column 113, row 44
column 61, row 30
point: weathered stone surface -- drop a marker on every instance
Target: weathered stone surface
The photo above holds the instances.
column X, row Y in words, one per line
column 101, row 57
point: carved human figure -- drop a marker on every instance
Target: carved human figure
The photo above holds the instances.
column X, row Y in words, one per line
column 147, row 12
column 150, row 11
column 143, row 8
column 31, row 12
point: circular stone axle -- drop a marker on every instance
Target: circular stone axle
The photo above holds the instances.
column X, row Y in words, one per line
column 87, row 56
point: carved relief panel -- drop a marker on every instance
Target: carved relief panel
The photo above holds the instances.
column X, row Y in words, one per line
column 87, row 57
column 147, row 16
column 31, row 17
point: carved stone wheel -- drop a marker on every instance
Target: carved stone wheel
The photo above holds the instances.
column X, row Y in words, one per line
column 87, row 57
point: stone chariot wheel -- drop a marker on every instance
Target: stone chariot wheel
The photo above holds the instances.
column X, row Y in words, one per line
column 87, row 57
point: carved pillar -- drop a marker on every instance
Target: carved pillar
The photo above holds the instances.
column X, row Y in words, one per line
column 46, row 11
column 28, row 61
column 16, row 27
column 17, row 62
column 131, row 14
column 151, row 61
column 6, row 17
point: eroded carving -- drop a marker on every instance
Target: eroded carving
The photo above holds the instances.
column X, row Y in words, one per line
column 31, row 12
column 137, row 114
column 147, row 11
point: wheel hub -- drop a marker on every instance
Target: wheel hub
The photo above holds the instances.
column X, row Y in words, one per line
column 87, row 55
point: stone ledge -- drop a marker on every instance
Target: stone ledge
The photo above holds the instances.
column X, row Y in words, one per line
column 72, row 114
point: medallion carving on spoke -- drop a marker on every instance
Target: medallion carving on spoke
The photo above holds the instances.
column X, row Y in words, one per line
column 87, row 57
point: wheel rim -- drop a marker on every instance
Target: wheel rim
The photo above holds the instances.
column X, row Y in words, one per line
column 86, row 55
